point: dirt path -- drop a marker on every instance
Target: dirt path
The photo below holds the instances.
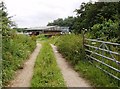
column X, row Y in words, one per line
column 24, row 76
column 71, row 77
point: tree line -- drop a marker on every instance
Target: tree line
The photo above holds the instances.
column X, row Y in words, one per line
column 101, row 19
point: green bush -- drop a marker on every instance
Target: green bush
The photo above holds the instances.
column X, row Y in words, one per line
column 16, row 49
column 108, row 29
column 41, row 37
column 71, row 47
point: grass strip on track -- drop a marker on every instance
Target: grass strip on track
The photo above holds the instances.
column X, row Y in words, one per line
column 46, row 71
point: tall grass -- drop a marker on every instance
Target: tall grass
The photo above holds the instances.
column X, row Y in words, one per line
column 71, row 46
column 46, row 71
column 41, row 37
column 14, row 51
column 107, row 54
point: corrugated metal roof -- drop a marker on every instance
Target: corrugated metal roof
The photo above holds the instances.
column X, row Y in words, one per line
column 44, row 28
column 48, row 28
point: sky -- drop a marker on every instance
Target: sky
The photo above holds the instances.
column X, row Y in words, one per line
column 36, row 13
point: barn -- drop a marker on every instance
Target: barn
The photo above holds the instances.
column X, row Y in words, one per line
column 47, row 30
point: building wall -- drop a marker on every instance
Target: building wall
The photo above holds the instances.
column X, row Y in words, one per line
column 48, row 30
column 52, row 33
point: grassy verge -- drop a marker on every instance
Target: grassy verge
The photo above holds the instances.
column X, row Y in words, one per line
column 96, row 77
column 72, row 49
column 46, row 71
column 14, row 52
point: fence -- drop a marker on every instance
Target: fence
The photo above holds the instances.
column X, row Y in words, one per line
column 100, row 54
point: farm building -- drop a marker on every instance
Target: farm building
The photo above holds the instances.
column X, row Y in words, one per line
column 47, row 30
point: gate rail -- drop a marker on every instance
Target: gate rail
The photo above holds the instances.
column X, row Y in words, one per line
column 104, row 48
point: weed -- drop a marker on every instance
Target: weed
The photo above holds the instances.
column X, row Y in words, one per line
column 71, row 47
column 14, row 52
column 46, row 71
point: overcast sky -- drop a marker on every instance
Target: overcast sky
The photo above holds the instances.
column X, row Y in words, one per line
column 35, row 13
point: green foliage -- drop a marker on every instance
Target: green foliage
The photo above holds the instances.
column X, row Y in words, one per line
column 41, row 37
column 19, row 29
column 111, row 63
column 95, row 76
column 101, row 19
column 15, row 51
column 58, row 22
column 5, row 21
column 108, row 29
column 71, row 47
column 90, row 14
column 15, row 48
column 46, row 71
column 67, row 22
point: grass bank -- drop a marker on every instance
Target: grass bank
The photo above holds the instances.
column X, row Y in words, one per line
column 71, row 47
column 46, row 71
column 15, row 51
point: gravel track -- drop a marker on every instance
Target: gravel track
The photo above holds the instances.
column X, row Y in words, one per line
column 23, row 76
column 71, row 77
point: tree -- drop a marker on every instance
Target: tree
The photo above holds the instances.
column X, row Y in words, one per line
column 58, row 22
column 90, row 14
column 68, row 22
column 108, row 29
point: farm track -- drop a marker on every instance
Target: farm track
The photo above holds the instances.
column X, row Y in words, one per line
column 71, row 77
column 23, row 76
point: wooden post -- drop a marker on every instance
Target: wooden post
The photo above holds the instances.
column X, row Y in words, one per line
column 83, row 43
column 83, row 38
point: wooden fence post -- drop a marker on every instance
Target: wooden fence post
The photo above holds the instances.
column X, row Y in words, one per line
column 83, row 38
column 83, row 33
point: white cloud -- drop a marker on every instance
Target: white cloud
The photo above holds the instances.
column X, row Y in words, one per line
column 30, row 13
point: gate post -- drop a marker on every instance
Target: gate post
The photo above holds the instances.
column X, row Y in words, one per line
column 83, row 42
column 83, row 37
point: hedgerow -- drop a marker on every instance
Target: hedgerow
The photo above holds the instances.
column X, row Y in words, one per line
column 14, row 52
column 71, row 47
column 15, row 47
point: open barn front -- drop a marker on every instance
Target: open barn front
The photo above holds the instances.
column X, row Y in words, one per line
column 47, row 30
